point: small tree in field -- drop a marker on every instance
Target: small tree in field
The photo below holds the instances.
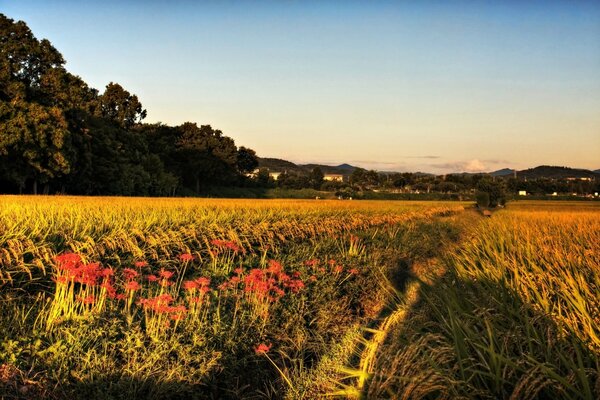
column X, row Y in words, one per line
column 483, row 199
column 491, row 192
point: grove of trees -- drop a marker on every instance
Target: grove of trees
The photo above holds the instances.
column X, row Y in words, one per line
column 57, row 134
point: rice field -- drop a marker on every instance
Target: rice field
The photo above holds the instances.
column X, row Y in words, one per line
column 189, row 298
column 121, row 298
column 516, row 314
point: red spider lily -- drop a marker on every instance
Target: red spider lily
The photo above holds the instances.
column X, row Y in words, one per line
column 225, row 244
column 186, row 257
column 353, row 271
column 132, row 285
column 110, row 290
column 165, row 274
column 152, row 278
column 68, row 260
column 106, row 272
column 262, row 348
column 201, row 283
column 332, row 262
column 262, row 285
column 165, row 283
column 86, row 300
column 312, row 278
column 162, row 304
column 239, row 271
column 88, row 274
column 140, row 264
column 130, row 274
column 120, row 296
column 295, row 285
column 338, row 269
column 275, row 267
column 311, row 263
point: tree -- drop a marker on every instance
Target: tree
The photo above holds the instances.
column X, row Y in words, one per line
column 316, row 178
column 246, row 160
column 206, row 155
column 118, row 105
column 23, row 60
column 495, row 190
column 32, row 139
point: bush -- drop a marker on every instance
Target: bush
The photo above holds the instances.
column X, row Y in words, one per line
column 483, row 199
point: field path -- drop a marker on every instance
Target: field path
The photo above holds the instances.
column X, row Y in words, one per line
column 353, row 380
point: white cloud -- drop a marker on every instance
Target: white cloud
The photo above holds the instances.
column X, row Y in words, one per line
column 474, row 166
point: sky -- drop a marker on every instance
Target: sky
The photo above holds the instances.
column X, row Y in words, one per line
column 405, row 86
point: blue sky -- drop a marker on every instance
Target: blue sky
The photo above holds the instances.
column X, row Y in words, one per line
column 433, row 86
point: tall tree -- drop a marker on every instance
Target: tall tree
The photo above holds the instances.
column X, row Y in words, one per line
column 120, row 106
column 246, row 159
column 207, row 156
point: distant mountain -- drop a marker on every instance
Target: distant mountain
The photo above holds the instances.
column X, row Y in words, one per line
column 552, row 172
column 503, row 172
column 597, row 171
column 279, row 165
column 343, row 169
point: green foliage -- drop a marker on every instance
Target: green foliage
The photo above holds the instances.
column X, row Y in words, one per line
column 495, row 190
column 58, row 132
column 482, row 199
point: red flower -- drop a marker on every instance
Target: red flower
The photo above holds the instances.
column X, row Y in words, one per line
column 152, row 278
column 190, row 285
column 311, row 263
column 186, row 257
column 132, row 285
column 262, row 348
column 275, row 267
column 130, row 274
column 165, row 274
column 68, row 260
column 140, row 264
column 87, row 300
column 338, row 269
column 353, row 271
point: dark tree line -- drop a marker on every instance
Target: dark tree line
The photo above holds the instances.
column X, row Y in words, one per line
column 59, row 135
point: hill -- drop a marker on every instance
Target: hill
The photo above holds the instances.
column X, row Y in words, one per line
column 279, row 165
column 343, row 169
column 552, row 172
column 503, row 172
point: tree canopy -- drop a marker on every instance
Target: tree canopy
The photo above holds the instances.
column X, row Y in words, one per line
column 58, row 132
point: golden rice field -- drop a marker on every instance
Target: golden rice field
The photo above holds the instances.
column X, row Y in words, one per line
column 124, row 298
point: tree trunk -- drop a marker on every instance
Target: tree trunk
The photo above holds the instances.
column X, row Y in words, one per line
column 35, row 186
column 46, row 188
column 197, row 185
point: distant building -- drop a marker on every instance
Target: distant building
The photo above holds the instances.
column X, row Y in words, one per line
column 333, row 177
column 274, row 175
column 581, row 179
column 522, row 193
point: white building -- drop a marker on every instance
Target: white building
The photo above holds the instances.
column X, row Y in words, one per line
column 333, row 177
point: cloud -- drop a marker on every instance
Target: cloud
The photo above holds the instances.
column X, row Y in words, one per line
column 474, row 165
column 495, row 162
column 427, row 157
